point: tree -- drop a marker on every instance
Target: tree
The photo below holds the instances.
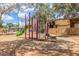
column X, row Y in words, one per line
column 67, row 10
column 9, row 25
column 7, row 7
column 1, row 22
column 43, row 11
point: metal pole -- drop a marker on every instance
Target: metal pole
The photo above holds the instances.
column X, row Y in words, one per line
column 46, row 31
column 32, row 27
column 47, row 28
column 25, row 25
column 37, row 30
column 29, row 25
column 39, row 26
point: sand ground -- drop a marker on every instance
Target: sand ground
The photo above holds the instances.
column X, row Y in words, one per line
column 10, row 37
column 74, row 38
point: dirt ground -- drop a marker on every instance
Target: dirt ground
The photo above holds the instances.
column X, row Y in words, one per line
column 13, row 37
column 75, row 43
column 10, row 37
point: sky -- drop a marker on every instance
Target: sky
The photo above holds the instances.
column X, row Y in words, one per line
column 15, row 15
column 18, row 15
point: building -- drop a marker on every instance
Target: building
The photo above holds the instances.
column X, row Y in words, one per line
column 64, row 27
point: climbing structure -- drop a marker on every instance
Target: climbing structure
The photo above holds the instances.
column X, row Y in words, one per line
column 33, row 31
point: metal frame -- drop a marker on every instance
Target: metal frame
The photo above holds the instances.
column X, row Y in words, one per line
column 37, row 29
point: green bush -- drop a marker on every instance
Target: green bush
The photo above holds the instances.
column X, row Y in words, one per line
column 19, row 33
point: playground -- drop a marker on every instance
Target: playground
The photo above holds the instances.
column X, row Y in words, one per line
column 38, row 30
